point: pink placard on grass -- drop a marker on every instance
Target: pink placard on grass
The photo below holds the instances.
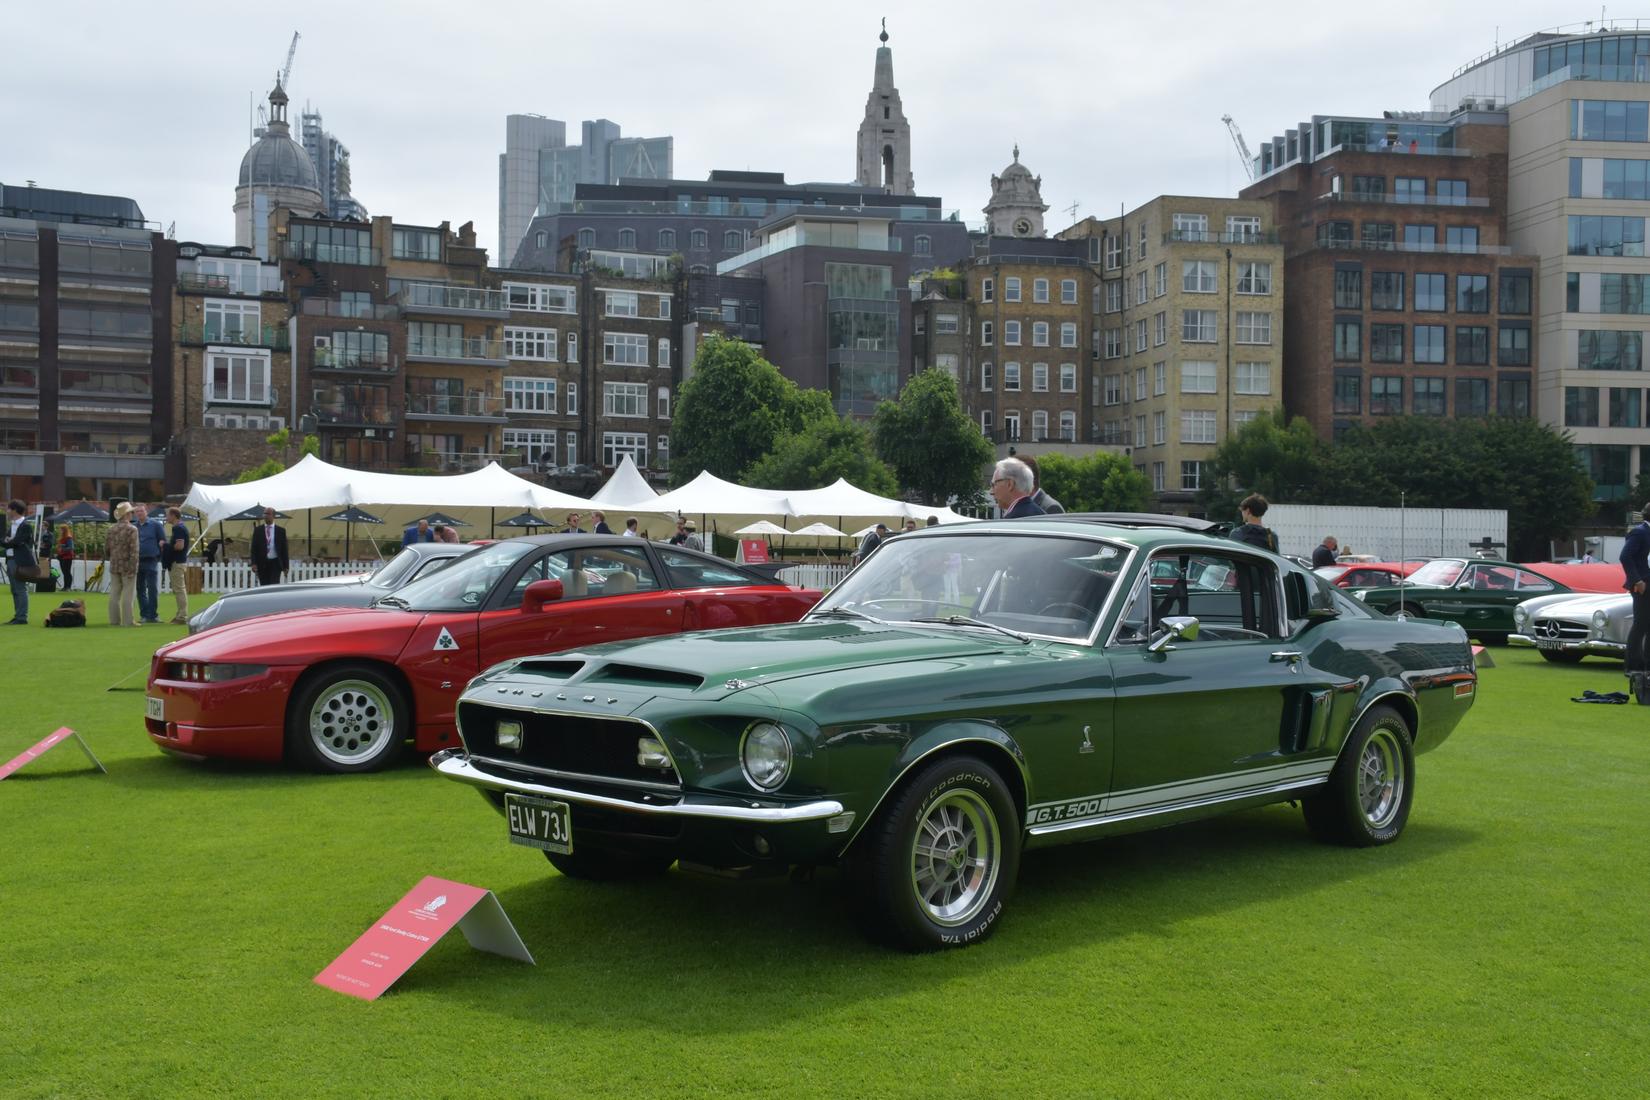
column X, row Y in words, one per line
column 755, row 550
column 45, row 745
column 413, row 925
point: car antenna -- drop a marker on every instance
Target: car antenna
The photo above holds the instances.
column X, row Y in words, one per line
column 1402, row 576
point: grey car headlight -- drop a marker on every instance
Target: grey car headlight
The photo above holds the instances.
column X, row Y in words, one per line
column 1520, row 617
column 1600, row 622
column 765, row 755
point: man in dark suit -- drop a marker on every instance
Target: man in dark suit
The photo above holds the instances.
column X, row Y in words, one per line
column 1324, row 553
column 1635, row 563
column 269, row 549
column 19, row 543
column 1012, row 486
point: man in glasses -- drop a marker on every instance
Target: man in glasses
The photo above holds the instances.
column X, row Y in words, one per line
column 1012, row 486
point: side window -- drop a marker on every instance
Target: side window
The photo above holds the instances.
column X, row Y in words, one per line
column 430, row 565
column 687, row 571
column 612, row 571
column 550, row 567
column 1232, row 596
column 1531, row 582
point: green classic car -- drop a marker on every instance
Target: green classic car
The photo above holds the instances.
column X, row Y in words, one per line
column 967, row 693
column 1478, row 593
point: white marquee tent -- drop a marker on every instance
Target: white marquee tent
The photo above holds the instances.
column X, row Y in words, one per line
column 626, row 489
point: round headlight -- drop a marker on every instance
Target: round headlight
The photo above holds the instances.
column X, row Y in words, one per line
column 766, row 756
column 1600, row 621
column 1520, row 616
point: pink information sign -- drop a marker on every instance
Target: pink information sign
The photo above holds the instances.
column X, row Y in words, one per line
column 754, row 550
column 413, row 925
column 45, row 745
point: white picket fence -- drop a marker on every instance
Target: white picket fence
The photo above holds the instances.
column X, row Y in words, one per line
column 231, row 576
column 815, row 575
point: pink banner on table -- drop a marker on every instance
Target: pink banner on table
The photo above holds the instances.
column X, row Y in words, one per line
column 415, row 924
column 45, row 745
column 755, row 550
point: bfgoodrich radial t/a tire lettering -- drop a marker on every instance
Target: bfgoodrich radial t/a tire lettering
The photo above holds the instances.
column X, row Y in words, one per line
column 938, row 864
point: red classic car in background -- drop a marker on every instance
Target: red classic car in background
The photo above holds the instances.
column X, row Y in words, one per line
column 343, row 690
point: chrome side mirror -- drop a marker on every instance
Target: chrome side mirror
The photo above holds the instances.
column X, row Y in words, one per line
column 1173, row 627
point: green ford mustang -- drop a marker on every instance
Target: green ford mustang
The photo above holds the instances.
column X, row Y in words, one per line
column 1478, row 593
column 969, row 692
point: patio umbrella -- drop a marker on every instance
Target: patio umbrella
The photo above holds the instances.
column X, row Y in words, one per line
column 762, row 527
column 81, row 513
column 442, row 517
column 349, row 517
column 254, row 513
column 820, row 530
column 526, row 519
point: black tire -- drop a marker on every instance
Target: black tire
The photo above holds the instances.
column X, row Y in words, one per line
column 1494, row 637
column 1369, row 793
column 1560, row 657
column 607, row 865
column 926, row 897
column 1414, row 611
column 350, row 717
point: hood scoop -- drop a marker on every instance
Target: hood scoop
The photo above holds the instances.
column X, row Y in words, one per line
column 644, row 676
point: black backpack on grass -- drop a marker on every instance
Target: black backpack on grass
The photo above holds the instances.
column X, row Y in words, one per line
column 67, row 613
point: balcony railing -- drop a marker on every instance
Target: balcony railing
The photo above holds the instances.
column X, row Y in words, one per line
column 456, row 347
column 352, row 414
column 1405, row 200
column 459, row 461
column 469, row 406
column 269, row 398
column 357, row 255
column 337, row 359
column 263, row 336
column 1337, row 244
column 444, row 298
column 1210, row 236
column 366, row 311
column 265, row 283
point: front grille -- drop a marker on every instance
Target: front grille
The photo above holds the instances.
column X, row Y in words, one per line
column 570, row 744
column 1566, row 629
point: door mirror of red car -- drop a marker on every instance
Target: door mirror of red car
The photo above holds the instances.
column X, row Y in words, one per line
column 540, row 593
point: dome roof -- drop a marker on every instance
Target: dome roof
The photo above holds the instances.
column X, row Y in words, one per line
column 278, row 161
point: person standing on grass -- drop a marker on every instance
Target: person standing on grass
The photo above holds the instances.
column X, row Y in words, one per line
column 151, row 540
column 601, row 523
column 65, row 554
column 175, row 560
column 1635, row 564
column 123, row 567
column 269, row 554
column 21, row 555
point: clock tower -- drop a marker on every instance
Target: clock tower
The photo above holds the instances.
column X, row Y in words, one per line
column 1016, row 207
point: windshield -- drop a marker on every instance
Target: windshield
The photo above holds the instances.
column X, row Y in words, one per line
column 1034, row 584
column 394, row 572
column 1440, row 573
column 463, row 585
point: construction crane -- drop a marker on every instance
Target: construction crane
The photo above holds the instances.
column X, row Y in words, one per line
column 284, row 77
column 1244, row 155
column 286, row 70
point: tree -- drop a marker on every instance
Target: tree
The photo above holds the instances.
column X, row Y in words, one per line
column 1279, row 458
column 1100, row 482
column 826, row 449
column 281, row 441
column 935, row 448
column 733, row 410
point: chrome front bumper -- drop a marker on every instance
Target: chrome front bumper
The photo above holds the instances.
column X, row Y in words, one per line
column 455, row 764
column 1588, row 647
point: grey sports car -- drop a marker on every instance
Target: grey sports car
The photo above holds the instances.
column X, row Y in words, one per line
column 418, row 560
column 1566, row 630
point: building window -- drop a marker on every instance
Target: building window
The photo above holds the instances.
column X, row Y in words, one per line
column 1512, row 397
column 947, row 363
column 1472, row 294
column 530, row 395
column 1349, row 288
column 617, row 445
column 1421, row 238
column 1140, row 383
column 228, row 322
column 1348, row 399
column 1513, row 345
column 1428, row 396
column 623, row 304
column 1461, row 238
column 1190, row 227
column 624, row 349
column 1140, row 430
column 1140, row 288
column 1068, row 334
column 985, row 423
column 923, row 245
column 1377, row 234
column 1580, row 407
column 627, row 239
column 1114, row 253
column 1161, row 279
column 945, row 324
column 662, row 402
column 541, row 239
column 1011, row 378
column 1039, row 334
column 1068, row 292
column 572, row 347
column 1349, row 347
column 1011, row 333
column 541, row 297
column 1472, row 345
column 733, row 240
column 1624, row 407
column 1160, row 379
column 1254, row 278
column 1599, row 349
column 1386, row 343
column 1039, row 378
column 587, row 238
column 1068, row 377
column 986, row 290
column 666, row 240
column 664, row 352
column 572, row 400
column 570, row 441
column 1335, row 234
column 1039, row 425
column 1609, row 120
column 1429, row 292
column 985, row 332
column 416, row 244
column 1254, row 328
column 1515, row 292
column 986, row 377
column 1114, row 295
column 1140, row 335
column 1197, row 376
column 664, row 306
column 237, row 378
column 1199, row 276
column 531, row 343
column 1039, row 290
column 1472, row 397
column 1068, row 426
column 1429, row 343
column 700, row 239
column 536, row 446
column 1157, row 477
column 1452, row 192
column 1114, row 343
column 1242, row 228
column 1197, row 426
column 1114, row 389
column 1386, row 395
column 1011, row 288
column 1011, row 426
column 1254, row 379
column 1160, row 329
column 1191, row 476
column 661, row 453
column 624, row 399
column 1160, row 428
column 1386, row 290
column 1197, row 326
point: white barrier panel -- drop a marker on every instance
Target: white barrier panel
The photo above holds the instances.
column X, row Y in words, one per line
column 232, row 576
column 814, row 575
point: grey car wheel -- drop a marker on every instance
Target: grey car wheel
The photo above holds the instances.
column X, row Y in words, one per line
column 956, row 855
column 1368, row 796
column 352, row 718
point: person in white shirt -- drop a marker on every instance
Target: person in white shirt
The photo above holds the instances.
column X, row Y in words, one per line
column 630, row 531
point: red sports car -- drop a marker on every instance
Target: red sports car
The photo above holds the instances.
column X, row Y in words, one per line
column 343, row 690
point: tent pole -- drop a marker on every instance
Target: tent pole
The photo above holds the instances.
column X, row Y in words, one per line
column 309, row 538
column 492, row 523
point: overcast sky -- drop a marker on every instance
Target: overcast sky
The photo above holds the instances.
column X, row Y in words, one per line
column 1110, row 103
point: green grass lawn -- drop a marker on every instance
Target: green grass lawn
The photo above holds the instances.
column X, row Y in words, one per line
column 160, row 927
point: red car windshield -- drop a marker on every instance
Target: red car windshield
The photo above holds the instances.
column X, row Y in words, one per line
column 463, row 585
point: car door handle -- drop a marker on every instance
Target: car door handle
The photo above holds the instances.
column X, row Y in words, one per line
column 1288, row 655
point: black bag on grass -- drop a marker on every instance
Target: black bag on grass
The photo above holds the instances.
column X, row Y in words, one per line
column 67, row 613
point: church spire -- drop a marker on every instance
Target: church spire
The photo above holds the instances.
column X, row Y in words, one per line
column 884, row 159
